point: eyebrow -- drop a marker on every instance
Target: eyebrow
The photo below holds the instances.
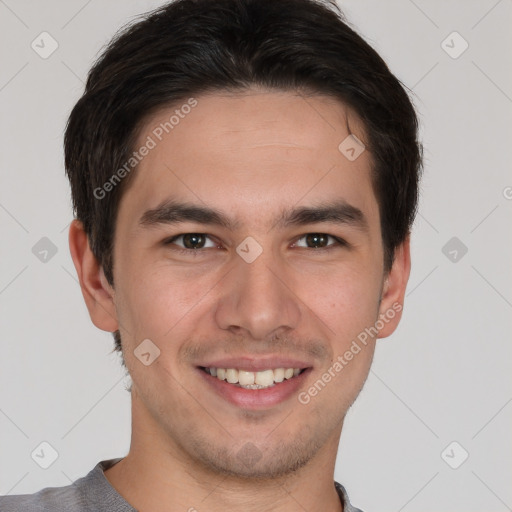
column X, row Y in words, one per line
column 175, row 212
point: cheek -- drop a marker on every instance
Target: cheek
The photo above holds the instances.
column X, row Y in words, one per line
column 349, row 306
column 347, row 302
column 155, row 303
column 160, row 308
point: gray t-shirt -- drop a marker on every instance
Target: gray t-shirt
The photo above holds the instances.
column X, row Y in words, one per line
column 93, row 493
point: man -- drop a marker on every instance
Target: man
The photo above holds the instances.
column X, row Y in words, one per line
column 244, row 176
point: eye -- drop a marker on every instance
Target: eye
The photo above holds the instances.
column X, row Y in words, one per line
column 191, row 241
column 320, row 241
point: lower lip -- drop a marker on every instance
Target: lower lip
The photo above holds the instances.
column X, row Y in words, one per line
column 256, row 398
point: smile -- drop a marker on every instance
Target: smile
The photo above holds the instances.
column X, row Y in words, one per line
column 253, row 380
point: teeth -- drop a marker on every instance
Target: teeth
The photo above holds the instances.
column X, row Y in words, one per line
column 232, row 375
column 279, row 375
column 264, row 378
column 245, row 378
column 253, row 380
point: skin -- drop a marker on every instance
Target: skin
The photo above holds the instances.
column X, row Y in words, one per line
column 249, row 155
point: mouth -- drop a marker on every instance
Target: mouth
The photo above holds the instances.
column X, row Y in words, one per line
column 253, row 380
column 254, row 390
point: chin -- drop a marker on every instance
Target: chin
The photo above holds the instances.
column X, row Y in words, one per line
column 250, row 460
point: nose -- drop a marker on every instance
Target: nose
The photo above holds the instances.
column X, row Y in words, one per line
column 258, row 300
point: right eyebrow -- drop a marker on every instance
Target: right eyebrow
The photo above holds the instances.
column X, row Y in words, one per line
column 174, row 212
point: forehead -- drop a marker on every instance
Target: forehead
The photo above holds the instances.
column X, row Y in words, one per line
column 252, row 150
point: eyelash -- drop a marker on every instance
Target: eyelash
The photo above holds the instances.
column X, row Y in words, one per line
column 197, row 252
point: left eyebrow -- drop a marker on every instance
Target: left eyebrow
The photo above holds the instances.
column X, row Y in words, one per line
column 337, row 212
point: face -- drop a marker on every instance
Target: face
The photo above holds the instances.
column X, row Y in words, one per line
column 248, row 241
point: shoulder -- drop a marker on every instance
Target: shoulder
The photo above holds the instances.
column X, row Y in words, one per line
column 347, row 506
column 68, row 498
column 90, row 493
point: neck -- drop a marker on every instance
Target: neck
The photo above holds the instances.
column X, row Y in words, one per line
column 158, row 476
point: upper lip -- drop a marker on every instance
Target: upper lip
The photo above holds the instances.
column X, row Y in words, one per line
column 256, row 364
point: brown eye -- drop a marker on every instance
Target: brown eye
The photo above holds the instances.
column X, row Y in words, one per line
column 315, row 240
column 190, row 242
column 320, row 241
column 194, row 240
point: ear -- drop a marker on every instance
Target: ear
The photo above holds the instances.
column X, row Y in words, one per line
column 393, row 290
column 97, row 292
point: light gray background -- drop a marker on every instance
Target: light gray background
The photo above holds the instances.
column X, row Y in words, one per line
column 444, row 376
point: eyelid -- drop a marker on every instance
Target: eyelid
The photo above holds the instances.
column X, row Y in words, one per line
column 339, row 242
column 173, row 239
